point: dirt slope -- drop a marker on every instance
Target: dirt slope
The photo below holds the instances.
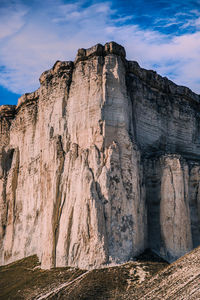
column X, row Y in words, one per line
column 24, row 279
column 180, row 280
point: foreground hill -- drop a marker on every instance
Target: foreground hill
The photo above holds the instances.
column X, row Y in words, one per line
column 180, row 280
column 144, row 279
column 24, row 279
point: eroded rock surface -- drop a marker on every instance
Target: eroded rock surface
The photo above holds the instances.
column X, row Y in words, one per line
column 101, row 162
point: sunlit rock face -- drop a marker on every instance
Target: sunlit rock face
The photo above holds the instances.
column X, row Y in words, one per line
column 169, row 222
column 101, row 162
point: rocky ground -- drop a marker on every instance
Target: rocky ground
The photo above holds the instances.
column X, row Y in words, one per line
column 24, row 279
column 146, row 278
column 180, row 280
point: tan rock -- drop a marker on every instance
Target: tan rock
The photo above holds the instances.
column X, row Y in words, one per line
column 174, row 208
column 82, row 168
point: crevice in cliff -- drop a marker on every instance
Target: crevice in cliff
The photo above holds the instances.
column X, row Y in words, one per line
column 152, row 176
column 174, row 191
column 11, row 203
column 174, row 200
column 88, row 221
column 3, row 215
column 35, row 119
column 132, row 123
column 6, row 161
column 57, row 208
column 15, row 181
column 185, row 182
column 69, row 231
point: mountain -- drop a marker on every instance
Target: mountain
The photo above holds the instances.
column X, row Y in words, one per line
column 99, row 164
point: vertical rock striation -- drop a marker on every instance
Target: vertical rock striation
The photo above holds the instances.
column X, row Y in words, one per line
column 99, row 163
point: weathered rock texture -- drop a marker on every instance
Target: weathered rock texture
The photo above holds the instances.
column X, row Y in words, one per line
column 101, row 162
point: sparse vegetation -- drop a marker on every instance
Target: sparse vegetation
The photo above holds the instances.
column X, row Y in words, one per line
column 24, row 279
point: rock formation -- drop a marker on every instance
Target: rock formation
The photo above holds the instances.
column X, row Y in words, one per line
column 100, row 163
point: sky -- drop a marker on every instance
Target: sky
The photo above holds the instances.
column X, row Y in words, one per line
column 162, row 35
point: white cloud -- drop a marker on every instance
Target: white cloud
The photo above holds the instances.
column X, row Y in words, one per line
column 57, row 32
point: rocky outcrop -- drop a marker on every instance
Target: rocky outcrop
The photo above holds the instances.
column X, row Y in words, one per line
column 168, row 206
column 101, row 162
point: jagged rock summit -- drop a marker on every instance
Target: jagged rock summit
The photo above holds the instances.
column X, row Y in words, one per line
column 100, row 163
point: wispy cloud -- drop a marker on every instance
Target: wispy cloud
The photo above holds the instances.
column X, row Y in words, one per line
column 11, row 18
column 194, row 23
column 50, row 32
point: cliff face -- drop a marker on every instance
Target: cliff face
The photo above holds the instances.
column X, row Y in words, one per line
column 101, row 162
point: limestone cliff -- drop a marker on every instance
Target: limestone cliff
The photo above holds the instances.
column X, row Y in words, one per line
column 101, row 162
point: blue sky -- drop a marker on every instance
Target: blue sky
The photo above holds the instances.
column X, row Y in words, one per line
column 159, row 34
